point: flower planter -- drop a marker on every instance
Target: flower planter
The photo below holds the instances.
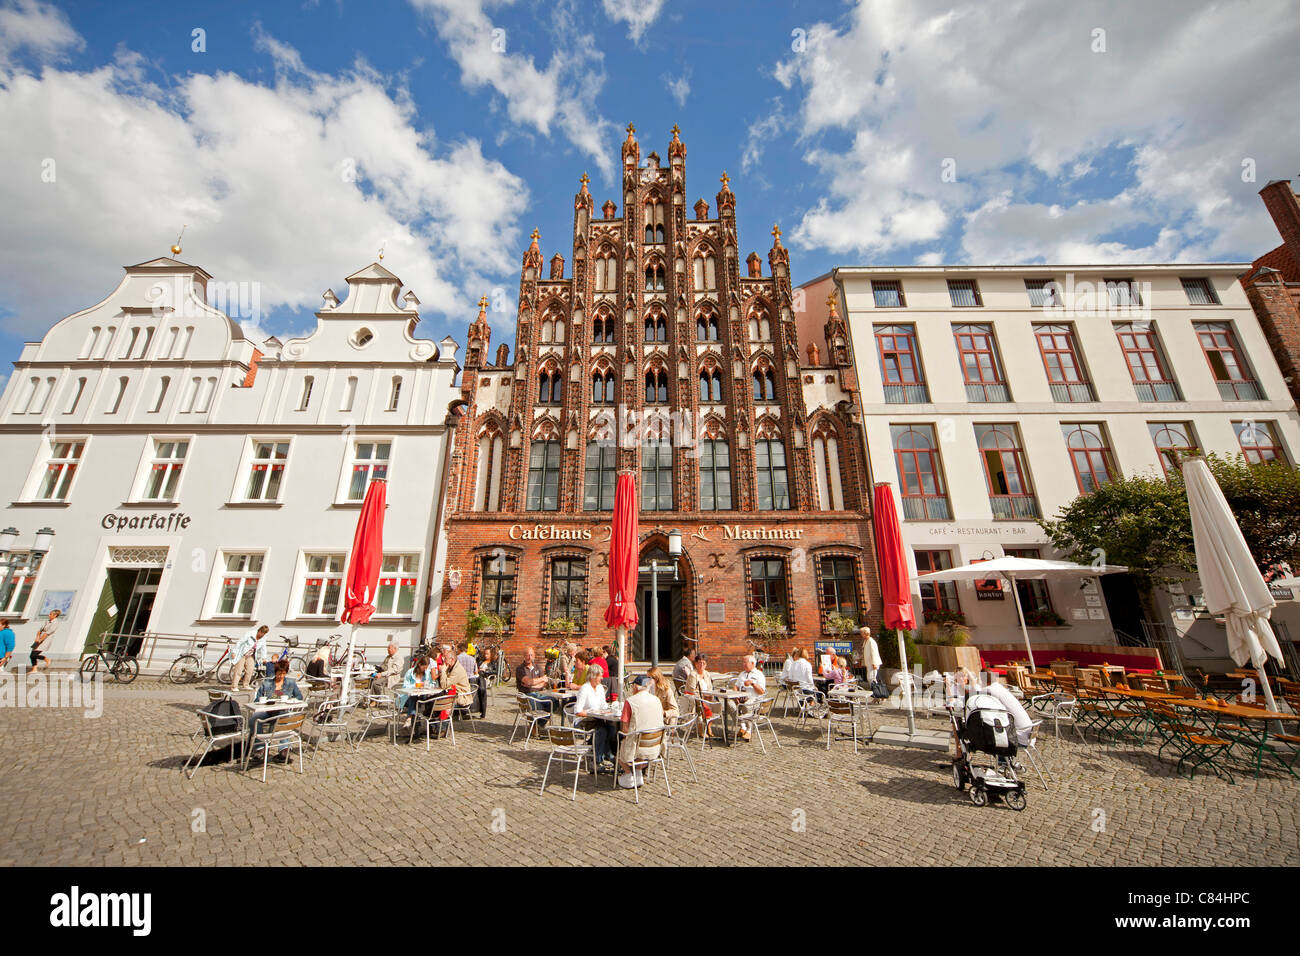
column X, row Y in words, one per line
column 946, row 658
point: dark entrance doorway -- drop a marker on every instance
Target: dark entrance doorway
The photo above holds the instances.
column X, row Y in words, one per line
column 124, row 608
column 670, row 592
column 1124, row 608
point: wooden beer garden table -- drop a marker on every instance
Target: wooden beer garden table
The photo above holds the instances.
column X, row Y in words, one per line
column 1253, row 730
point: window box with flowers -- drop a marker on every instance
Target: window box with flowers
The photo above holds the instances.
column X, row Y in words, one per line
column 484, row 622
column 1042, row 617
column 767, row 628
column 945, row 618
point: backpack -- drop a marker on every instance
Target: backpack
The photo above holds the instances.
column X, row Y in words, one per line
column 224, row 713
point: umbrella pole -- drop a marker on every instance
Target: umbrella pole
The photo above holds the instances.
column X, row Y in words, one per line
column 347, row 665
column 905, row 677
column 1020, row 613
column 622, row 656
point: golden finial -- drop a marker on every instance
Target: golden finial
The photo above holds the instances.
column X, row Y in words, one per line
column 381, row 253
column 482, row 305
column 676, row 131
column 725, row 180
column 830, row 299
column 630, row 130
column 584, row 179
column 536, row 235
column 176, row 248
column 776, row 234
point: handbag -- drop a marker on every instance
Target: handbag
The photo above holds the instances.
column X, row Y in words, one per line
column 878, row 689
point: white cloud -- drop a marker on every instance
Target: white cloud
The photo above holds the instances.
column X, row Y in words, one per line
column 292, row 185
column 760, row 133
column 40, row 28
column 1142, row 143
column 637, row 14
column 678, row 86
column 562, row 94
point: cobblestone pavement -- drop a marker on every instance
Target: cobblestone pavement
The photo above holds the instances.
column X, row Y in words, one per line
column 109, row 791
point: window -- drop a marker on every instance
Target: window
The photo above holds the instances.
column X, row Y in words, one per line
column 654, row 278
column 487, row 476
column 1043, row 293
column 165, row 470
column 362, row 337
column 602, row 388
column 1065, row 373
column 888, row 295
column 1089, row 453
column 656, row 328
column 706, row 279
column 839, row 586
column 1146, row 365
column 760, row 325
column 1006, row 472
column 308, row 384
column 1034, row 596
column 900, row 370
column 544, row 476
column 656, row 387
column 769, row 466
column 1231, row 374
column 920, row 477
column 602, row 330
column 568, row 589
column 706, row 327
column 60, row 469
column 369, row 462
column 711, row 385
column 654, row 223
column 1173, row 440
column 715, row 475
column 1259, row 442
column 1199, row 291
column 937, row 597
column 238, row 595
column 826, row 465
column 764, row 385
column 1123, row 293
column 552, row 329
column 767, row 585
column 18, row 581
column 657, row 476
column 397, row 578
column 121, row 394
column 498, row 593
column 395, row 393
column 606, row 271
column 550, row 388
column 980, row 364
column 322, row 584
column 598, row 479
column 964, row 293
column 266, row 470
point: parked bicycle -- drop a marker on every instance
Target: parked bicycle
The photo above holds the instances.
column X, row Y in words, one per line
column 191, row 666
column 338, row 655
column 124, row 669
column 297, row 663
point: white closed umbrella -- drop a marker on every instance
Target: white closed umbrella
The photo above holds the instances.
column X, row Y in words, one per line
column 1230, row 579
column 1021, row 569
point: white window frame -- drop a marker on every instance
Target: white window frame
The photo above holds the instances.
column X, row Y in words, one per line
column 217, row 584
column 414, row 575
column 350, row 459
column 45, row 454
column 145, row 468
column 301, row 574
column 23, row 613
column 244, row 472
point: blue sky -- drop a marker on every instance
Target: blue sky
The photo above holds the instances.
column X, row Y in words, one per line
column 887, row 131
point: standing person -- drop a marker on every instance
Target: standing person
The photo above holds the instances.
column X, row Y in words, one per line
column 250, row 655
column 870, row 653
column 478, row 682
column 48, row 628
column 7, row 642
column 641, row 711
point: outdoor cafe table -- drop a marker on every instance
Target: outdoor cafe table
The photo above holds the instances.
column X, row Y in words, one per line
column 611, row 715
column 723, row 696
column 1254, row 723
column 858, row 698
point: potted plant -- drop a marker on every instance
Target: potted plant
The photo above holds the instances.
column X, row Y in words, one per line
column 945, row 617
column 1043, row 617
column 840, row 625
column 478, row 621
column 768, row 627
column 561, row 625
column 944, row 647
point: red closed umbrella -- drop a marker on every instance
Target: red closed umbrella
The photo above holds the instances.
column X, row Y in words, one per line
column 624, row 565
column 363, row 567
column 895, row 583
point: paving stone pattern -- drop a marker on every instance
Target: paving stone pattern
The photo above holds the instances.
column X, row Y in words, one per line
column 82, row 791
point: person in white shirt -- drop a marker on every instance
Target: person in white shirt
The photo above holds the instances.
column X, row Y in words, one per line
column 789, row 663
column 250, row 658
column 1013, row 707
column 870, row 654
column 591, row 699
column 641, row 711
column 753, row 682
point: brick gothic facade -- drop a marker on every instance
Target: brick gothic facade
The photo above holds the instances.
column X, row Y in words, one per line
column 658, row 355
column 1273, row 283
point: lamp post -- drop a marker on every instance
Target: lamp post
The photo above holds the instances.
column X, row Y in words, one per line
column 653, row 569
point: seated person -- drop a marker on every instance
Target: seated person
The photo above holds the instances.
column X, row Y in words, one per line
column 839, row 672
column 641, row 712
column 273, row 688
column 532, row 683
column 754, row 683
column 320, row 664
column 591, row 698
column 388, row 673
column 801, row 674
column 419, row 674
column 699, row 683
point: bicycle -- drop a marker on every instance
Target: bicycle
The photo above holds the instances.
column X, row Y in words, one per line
column 297, row 663
column 191, row 667
column 337, row 657
column 124, row 669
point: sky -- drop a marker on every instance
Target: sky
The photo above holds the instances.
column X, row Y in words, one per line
column 294, row 140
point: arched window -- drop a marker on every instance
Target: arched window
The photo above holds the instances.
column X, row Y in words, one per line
column 602, row 330
column 654, row 223
column 826, row 460
column 711, row 385
column 654, row 278
column 920, row 475
column 706, row 270
column 602, row 388
column 606, row 270
column 559, row 330
column 1090, row 455
column 487, row 485
column 1005, row 470
column 550, row 388
column 706, row 326
column 760, row 324
column 656, row 327
column 764, row 385
column 548, row 330
column 656, row 387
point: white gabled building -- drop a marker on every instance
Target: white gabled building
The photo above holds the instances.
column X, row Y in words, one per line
column 994, row 395
column 190, row 481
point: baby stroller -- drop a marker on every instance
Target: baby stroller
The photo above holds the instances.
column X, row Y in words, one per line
column 984, row 726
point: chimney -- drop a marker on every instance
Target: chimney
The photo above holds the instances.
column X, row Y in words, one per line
column 503, row 355
column 1282, row 205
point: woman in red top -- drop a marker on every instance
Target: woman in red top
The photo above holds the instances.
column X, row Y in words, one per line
column 598, row 660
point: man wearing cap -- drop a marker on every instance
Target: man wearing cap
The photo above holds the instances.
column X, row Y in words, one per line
column 642, row 711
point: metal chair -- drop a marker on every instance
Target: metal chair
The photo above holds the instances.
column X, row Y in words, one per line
column 646, row 739
column 215, row 732
column 286, row 730
column 811, row 703
column 429, row 712
column 331, row 717
column 1031, row 750
column 678, row 733
column 1059, row 705
column 841, row 711
column 785, row 694
column 760, row 715
column 569, row 745
column 382, row 709
column 530, row 713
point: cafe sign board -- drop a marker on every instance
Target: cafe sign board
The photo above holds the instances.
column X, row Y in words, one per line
column 988, row 589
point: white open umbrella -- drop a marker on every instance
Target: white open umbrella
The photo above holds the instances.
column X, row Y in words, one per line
column 1020, row 569
column 1230, row 579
